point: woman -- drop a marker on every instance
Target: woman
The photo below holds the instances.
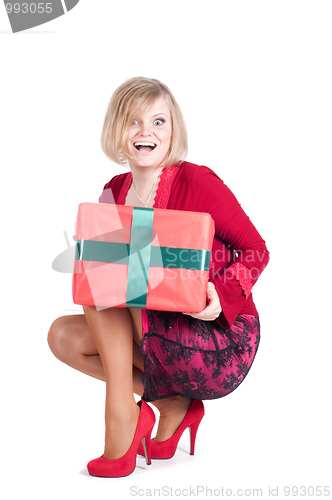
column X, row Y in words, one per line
column 172, row 360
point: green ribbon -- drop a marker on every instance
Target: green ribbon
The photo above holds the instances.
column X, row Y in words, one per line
column 109, row 252
column 102, row 251
column 140, row 255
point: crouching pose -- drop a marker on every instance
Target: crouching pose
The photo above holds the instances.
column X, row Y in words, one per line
column 171, row 359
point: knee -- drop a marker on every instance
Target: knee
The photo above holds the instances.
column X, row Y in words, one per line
column 58, row 338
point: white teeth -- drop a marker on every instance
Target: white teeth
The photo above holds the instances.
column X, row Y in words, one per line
column 144, row 144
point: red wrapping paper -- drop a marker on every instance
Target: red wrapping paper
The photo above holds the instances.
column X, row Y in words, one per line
column 169, row 289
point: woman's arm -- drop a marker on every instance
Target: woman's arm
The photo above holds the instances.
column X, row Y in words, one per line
column 234, row 228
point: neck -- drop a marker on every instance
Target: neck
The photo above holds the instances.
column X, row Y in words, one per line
column 145, row 177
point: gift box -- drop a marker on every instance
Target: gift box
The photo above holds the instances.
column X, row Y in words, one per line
column 142, row 257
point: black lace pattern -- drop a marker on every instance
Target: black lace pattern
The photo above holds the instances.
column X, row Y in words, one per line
column 193, row 358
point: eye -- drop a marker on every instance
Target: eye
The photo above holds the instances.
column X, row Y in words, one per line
column 135, row 122
column 159, row 121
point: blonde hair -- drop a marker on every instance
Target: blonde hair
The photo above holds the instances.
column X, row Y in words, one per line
column 140, row 94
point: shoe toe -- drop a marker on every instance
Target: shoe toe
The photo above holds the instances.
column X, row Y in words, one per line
column 95, row 467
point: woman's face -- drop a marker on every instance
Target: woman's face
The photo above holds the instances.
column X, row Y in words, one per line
column 149, row 136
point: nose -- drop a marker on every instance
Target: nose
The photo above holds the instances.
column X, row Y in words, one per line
column 145, row 129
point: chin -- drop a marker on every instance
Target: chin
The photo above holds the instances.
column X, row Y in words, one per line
column 147, row 163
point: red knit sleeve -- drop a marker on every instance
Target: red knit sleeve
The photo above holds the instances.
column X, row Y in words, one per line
column 234, row 228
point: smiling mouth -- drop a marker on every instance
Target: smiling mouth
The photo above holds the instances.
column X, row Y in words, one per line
column 145, row 147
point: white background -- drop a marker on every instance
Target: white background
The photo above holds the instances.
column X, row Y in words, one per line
column 253, row 79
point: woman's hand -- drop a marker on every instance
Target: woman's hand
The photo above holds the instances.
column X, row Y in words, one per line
column 213, row 309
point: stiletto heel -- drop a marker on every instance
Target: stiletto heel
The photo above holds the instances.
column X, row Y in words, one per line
column 126, row 464
column 192, row 433
column 146, row 443
column 166, row 449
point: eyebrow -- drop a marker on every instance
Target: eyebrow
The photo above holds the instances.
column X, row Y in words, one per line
column 158, row 114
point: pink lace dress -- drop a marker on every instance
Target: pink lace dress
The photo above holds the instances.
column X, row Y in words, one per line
column 186, row 356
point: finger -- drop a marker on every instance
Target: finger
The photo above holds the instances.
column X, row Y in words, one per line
column 213, row 309
column 194, row 315
column 205, row 314
column 211, row 290
column 213, row 303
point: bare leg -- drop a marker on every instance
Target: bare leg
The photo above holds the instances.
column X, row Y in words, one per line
column 112, row 332
column 71, row 341
column 172, row 412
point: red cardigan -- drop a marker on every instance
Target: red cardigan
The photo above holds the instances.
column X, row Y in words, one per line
column 239, row 253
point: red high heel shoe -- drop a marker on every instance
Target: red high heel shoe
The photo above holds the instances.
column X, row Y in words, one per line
column 126, row 464
column 166, row 449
